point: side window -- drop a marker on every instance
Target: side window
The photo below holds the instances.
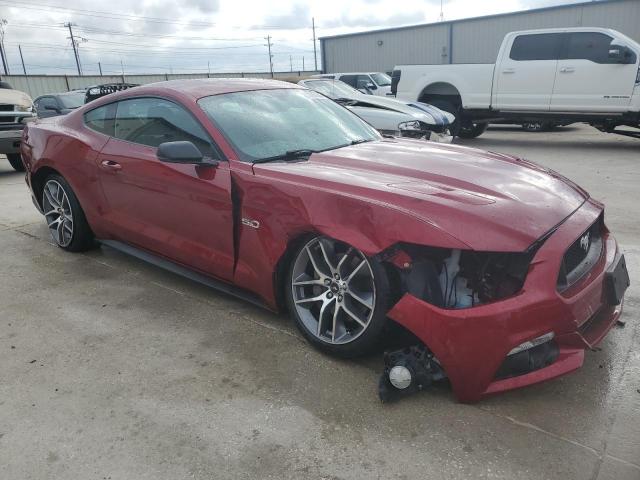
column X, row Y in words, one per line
column 589, row 46
column 538, row 46
column 349, row 80
column 363, row 80
column 101, row 119
column 45, row 102
column 152, row 121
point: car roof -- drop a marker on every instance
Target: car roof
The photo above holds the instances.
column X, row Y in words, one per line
column 203, row 87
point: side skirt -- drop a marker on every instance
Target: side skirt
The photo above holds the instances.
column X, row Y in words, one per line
column 184, row 271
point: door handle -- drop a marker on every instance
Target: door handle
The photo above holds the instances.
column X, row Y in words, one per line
column 111, row 165
column 567, row 70
column 509, row 70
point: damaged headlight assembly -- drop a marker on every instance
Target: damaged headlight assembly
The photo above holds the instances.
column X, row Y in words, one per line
column 447, row 279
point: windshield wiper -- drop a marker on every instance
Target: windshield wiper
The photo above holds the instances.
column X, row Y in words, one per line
column 288, row 155
column 359, row 141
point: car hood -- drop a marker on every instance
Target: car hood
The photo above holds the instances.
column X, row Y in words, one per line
column 419, row 111
column 486, row 200
column 15, row 97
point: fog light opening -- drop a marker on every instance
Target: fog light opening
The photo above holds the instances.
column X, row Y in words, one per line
column 528, row 345
column 400, row 377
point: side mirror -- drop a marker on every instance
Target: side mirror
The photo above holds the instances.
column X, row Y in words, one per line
column 621, row 54
column 51, row 107
column 182, row 152
column 370, row 86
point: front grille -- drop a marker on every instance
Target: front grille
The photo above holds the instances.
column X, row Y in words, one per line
column 581, row 256
column 5, row 107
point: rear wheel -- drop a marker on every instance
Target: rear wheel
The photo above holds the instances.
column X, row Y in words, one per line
column 64, row 216
column 338, row 297
column 16, row 161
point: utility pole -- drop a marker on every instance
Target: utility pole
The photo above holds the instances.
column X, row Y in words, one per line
column 441, row 11
column 100, row 68
column 303, row 64
column 3, row 54
column 269, row 44
column 208, row 69
column 291, row 62
column 315, row 55
column 75, row 47
column 22, row 59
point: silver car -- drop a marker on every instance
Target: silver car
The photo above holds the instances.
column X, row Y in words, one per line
column 388, row 115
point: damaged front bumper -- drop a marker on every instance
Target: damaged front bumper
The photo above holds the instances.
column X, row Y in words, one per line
column 483, row 349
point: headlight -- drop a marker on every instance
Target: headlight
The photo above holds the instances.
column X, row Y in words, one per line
column 25, row 108
column 451, row 278
column 411, row 126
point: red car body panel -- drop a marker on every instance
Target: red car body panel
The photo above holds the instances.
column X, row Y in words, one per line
column 371, row 196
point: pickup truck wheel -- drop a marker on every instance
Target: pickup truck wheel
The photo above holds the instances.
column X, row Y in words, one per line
column 64, row 216
column 16, row 161
column 472, row 130
column 338, row 297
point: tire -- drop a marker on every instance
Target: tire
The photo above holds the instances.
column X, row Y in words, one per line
column 473, row 130
column 16, row 161
column 450, row 108
column 334, row 282
column 64, row 215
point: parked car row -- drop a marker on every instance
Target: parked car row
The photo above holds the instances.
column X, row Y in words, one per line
column 504, row 271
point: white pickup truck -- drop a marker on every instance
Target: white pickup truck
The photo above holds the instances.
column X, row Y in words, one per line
column 561, row 75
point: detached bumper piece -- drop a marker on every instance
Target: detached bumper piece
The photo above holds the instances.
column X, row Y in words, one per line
column 408, row 371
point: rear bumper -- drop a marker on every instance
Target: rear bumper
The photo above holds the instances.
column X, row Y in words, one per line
column 471, row 344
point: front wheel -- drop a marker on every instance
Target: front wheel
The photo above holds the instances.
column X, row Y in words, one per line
column 338, row 297
column 16, row 161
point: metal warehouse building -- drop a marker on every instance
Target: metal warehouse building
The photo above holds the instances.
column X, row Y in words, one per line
column 473, row 40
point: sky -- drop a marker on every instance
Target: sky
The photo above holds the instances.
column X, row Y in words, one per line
column 196, row 36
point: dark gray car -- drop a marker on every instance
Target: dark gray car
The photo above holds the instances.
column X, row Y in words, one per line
column 58, row 103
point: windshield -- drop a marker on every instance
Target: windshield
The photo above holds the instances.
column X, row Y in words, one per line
column 72, row 100
column 382, row 79
column 333, row 88
column 267, row 123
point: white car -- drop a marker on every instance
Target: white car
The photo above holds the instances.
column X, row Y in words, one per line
column 555, row 75
column 16, row 108
column 374, row 83
column 387, row 115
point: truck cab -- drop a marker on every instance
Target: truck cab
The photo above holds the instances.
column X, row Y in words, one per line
column 571, row 70
column 556, row 75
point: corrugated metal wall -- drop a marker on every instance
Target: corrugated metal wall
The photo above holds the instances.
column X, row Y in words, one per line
column 366, row 52
column 36, row 85
column 472, row 40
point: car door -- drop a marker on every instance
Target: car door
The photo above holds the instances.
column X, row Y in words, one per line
column 47, row 107
column 180, row 211
column 588, row 80
column 526, row 73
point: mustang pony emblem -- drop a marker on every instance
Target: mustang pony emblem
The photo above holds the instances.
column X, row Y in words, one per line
column 585, row 240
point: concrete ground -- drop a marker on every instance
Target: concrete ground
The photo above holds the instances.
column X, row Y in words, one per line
column 113, row 369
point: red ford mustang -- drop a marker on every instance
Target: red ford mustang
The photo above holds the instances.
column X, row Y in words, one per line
column 503, row 270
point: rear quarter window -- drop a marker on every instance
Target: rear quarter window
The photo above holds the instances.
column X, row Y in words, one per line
column 101, row 119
